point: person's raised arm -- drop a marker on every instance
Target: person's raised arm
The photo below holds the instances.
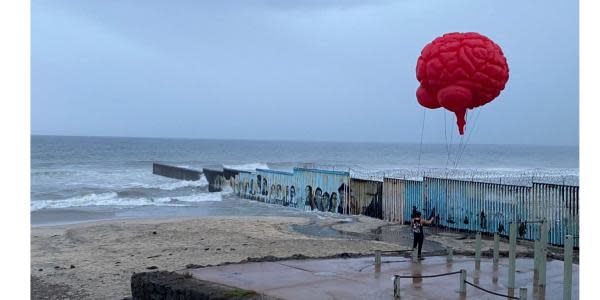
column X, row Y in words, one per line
column 427, row 222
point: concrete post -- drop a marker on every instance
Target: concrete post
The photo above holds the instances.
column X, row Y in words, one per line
column 496, row 248
column 543, row 253
column 378, row 258
column 523, row 294
column 536, row 260
column 396, row 287
column 462, row 285
column 450, row 255
column 568, row 267
column 478, row 247
column 512, row 254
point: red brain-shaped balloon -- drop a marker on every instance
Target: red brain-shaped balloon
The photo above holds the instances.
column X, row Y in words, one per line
column 460, row 71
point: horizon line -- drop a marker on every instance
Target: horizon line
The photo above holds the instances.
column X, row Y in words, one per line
column 288, row 140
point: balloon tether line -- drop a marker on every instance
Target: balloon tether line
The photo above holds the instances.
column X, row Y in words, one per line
column 446, row 141
column 421, row 143
column 469, row 136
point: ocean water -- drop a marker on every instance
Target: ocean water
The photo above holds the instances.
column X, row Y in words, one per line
column 84, row 178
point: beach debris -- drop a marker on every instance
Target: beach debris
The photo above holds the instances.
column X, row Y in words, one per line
column 460, row 71
column 40, row 269
column 152, row 267
column 72, row 267
column 153, row 232
column 154, row 256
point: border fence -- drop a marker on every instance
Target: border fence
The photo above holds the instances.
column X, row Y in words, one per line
column 471, row 206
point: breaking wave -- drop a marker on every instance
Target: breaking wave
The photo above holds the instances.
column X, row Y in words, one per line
column 113, row 199
column 173, row 184
column 248, row 167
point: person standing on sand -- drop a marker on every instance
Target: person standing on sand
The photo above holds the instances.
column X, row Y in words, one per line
column 418, row 235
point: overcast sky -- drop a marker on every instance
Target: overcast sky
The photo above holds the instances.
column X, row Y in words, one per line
column 293, row 70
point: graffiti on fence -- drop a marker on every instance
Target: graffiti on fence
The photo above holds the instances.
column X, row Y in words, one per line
column 456, row 204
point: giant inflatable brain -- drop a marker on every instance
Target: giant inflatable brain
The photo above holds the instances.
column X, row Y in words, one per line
column 460, row 71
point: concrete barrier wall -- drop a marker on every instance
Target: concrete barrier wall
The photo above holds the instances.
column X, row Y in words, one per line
column 172, row 285
column 175, row 172
column 215, row 178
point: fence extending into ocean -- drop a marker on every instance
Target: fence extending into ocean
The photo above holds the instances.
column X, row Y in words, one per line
column 454, row 203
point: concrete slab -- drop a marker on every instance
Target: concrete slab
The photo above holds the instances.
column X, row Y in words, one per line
column 358, row 278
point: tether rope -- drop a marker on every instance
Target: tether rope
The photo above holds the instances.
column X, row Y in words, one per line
column 490, row 292
column 427, row 276
column 421, row 143
column 446, row 140
column 468, row 137
column 460, row 143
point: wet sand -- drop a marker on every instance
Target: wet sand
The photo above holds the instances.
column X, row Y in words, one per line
column 96, row 260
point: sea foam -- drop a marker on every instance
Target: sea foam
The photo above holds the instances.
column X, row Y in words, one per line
column 248, row 167
column 112, row 199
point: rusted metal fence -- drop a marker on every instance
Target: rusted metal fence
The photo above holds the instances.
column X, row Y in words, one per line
column 393, row 200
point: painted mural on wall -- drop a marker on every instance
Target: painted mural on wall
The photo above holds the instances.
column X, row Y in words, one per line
column 325, row 201
column 309, row 189
column 276, row 187
column 366, row 197
column 323, row 190
column 456, row 204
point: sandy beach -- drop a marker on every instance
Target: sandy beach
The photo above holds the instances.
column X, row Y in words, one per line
column 96, row 260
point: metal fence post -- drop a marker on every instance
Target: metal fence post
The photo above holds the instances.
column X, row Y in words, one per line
column 377, row 258
column 568, row 267
column 512, row 254
column 396, row 287
column 523, row 294
column 536, row 260
column 478, row 247
column 496, row 248
column 462, row 284
column 543, row 253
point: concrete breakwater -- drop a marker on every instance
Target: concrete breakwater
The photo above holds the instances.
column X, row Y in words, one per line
column 175, row 172
column 454, row 204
